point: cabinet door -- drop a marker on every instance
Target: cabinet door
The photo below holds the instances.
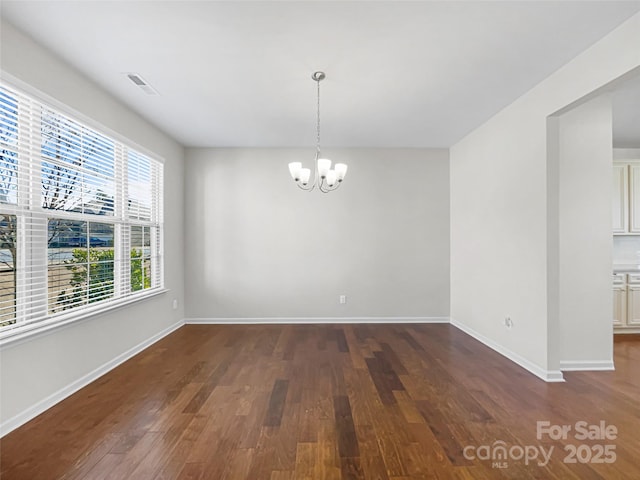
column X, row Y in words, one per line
column 634, row 198
column 633, row 305
column 621, row 199
column 620, row 305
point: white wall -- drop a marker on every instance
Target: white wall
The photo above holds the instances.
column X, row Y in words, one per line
column 584, row 237
column 626, row 153
column 36, row 372
column 499, row 212
column 258, row 247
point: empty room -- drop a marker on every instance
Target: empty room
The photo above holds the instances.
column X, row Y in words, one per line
column 319, row 239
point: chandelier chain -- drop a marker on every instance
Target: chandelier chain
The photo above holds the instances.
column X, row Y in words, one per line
column 318, row 119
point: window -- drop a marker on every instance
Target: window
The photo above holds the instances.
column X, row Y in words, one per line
column 80, row 216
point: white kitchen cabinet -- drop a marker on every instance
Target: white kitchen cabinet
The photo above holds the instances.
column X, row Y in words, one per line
column 626, row 302
column 626, row 197
column 621, row 198
column 619, row 305
column 634, row 198
column 633, row 305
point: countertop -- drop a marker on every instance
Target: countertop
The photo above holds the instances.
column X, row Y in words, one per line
column 630, row 268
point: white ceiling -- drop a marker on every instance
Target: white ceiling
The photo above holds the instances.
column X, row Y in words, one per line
column 399, row 74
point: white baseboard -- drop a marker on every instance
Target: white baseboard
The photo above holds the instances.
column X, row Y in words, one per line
column 625, row 330
column 546, row 375
column 35, row 410
column 313, row 320
column 586, row 365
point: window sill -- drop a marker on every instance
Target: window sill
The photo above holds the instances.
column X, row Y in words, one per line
column 28, row 332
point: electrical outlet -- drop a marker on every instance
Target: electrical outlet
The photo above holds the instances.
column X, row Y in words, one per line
column 343, row 299
column 175, row 304
column 508, row 322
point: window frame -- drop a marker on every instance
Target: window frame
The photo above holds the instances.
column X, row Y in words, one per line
column 30, row 319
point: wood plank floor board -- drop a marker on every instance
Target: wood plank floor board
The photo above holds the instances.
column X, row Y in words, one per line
column 174, row 459
column 237, row 466
column 191, row 471
column 85, row 462
column 325, row 402
column 372, row 462
column 250, row 436
column 389, row 442
column 101, row 470
column 276, row 403
column 281, row 475
column 327, row 464
column 434, row 458
column 346, row 430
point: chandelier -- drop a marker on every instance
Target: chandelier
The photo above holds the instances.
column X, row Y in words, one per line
column 325, row 178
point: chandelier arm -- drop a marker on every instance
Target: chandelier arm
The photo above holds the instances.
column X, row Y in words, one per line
column 328, row 189
column 306, row 189
column 313, row 180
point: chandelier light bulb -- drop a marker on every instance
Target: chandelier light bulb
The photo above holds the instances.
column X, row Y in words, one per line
column 341, row 171
column 294, row 170
column 324, row 164
column 305, row 173
column 331, row 178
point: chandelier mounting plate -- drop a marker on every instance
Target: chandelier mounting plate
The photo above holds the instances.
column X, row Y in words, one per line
column 317, row 76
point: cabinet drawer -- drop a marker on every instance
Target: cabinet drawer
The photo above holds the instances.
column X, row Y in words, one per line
column 634, row 278
column 621, row 278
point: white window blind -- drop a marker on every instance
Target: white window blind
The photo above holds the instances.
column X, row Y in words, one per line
column 80, row 216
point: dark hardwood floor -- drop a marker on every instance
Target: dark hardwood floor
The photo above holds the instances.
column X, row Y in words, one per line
column 330, row 402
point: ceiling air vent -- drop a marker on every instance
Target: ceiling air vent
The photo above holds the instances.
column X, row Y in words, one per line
column 142, row 84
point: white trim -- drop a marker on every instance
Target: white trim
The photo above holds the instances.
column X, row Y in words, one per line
column 312, row 320
column 43, row 405
column 546, row 375
column 17, row 335
column 586, row 365
column 625, row 330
